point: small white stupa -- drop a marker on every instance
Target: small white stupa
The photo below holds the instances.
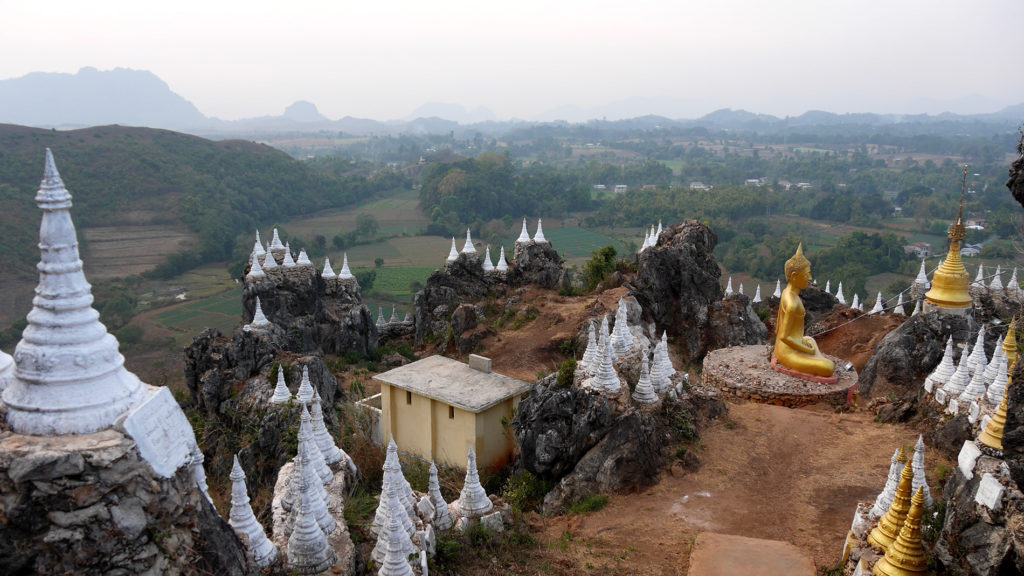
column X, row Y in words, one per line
column 839, row 294
column 443, row 518
column 757, row 295
column 856, row 302
column 502, row 265
column 922, row 281
column 778, row 289
column 884, row 499
column 975, row 390
column 380, row 318
column 586, row 362
column 453, row 254
column 604, row 337
column 644, row 391
column 899, row 306
column 879, row 307
column 304, row 472
column 308, row 552
column 305, row 393
column 289, row 262
column 241, row 518
column 488, row 266
column 978, row 360
column 917, row 308
column 917, row 465
column 997, row 389
column 258, row 245
column 539, row 236
column 1013, row 286
column 741, row 289
column 666, row 359
column 728, row 288
column 259, row 320
column 828, row 286
column 393, row 546
column 269, row 263
column 393, row 480
column 306, row 435
column 647, row 241
column 255, row 271
column 658, row 235
column 275, row 242
column 473, row 501
column 997, row 282
column 328, row 273
column 524, row 236
column 324, row 441
column 605, row 378
column 69, row 377
column 945, row 369
column 345, row 273
column 394, row 316
column 281, row 392
column 468, row 247
column 992, row 370
column 979, row 280
column 622, row 338
column 957, row 382
column 303, row 259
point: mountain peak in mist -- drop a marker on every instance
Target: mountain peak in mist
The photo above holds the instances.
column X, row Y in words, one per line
column 453, row 112
column 304, row 111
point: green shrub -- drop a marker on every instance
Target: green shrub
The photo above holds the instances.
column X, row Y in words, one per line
column 566, row 373
column 589, row 503
column 525, row 492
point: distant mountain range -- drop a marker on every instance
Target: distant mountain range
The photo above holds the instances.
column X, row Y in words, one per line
column 139, row 98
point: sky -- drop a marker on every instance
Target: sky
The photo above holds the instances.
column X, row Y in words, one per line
column 382, row 59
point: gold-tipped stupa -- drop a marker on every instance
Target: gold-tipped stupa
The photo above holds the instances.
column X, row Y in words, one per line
column 950, row 283
column 906, row 556
column 888, row 528
column 992, row 435
column 1010, row 345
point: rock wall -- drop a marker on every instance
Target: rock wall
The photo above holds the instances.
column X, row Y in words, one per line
column 677, row 284
column 90, row 505
column 1016, row 181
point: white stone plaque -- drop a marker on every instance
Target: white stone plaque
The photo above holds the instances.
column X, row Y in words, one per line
column 968, row 456
column 928, row 385
column 984, row 421
column 990, row 493
column 954, row 406
column 940, row 396
column 162, row 432
column 973, row 412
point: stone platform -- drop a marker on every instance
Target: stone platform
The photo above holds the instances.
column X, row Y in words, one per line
column 745, row 372
column 727, row 555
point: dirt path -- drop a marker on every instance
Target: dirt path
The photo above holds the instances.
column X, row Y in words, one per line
column 767, row 472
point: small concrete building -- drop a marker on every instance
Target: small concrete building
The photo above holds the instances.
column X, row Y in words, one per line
column 437, row 407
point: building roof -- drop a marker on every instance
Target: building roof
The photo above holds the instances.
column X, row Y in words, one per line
column 454, row 383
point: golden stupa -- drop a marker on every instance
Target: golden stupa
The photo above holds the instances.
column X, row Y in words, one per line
column 906, row 555
column 888, row 528
column 1010, row 345
column 950, row 282
column 992, row 436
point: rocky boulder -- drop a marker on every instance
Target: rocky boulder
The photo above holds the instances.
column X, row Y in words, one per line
column 1013, row 433
column 462, row 281
column 908, row 354
column 677, row 284
column 1016, row 181
column 537, row 265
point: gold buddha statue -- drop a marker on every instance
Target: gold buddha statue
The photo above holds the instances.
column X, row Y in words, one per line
column 792, row 349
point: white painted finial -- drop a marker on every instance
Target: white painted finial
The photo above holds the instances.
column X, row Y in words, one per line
column 453, row 254
column 757, row 295
column 488, row 266
column 275, row 242
column 878, row 307
column 69, row 376
column 289, row 262
column 345, row 273
column 524, row 236
column 778, row 289
column 502, row 265
column 468, row 247
column 539, row 236
column 839, row 294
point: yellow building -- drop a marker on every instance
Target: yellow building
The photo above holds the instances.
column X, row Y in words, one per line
column 437, row 407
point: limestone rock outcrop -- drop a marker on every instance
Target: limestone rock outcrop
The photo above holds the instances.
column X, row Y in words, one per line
column 677, row 285
column 1016, row 181
column 537, row 264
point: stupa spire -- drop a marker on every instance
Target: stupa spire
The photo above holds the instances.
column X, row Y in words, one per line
column 922, row 276
column 330, row 451
column 488, row 266
column 888, row 527
column 380, row 318
column 502, row 265
column 328, row 273
column 1013, row 286
column 917, row 308
column 920, row 481
column 275, row 242
column 241, row 518
column 906, row 556
column 644, row 391
column 665, row 357
column 978, row 360
column 856, row 302
column 539, row 236
column 606, row 379
column 443, row 518
column 69, row 377
column 944, row 371
column 281, row 392
column 473, row 501
column 839, row 294
column 728, row 288
column 259, row 320
column 622, row 338
column 303, row 259
column 979, row 280
column 468, row 247
column 305, row 393
column 255, row 270
column 289, row 262
column 345, row 273
column 258, row 246
column 828, row 286
column 992, row 369
column 317, row 458
column 308, row 552
column 393, row 479
column 997, row 389
column 884, row 498
column 1010, row 343
column 949, row 284
column 992, row 436
column 453, row 254
column 757, row 295
column 997, row 282
column 524, row 236
column 879, row 306
column 586, row 363
column 393, row 546
column 957, row 382
column 778, row 289
column 269, row 263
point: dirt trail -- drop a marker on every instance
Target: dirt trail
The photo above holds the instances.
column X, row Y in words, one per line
column 767, row 472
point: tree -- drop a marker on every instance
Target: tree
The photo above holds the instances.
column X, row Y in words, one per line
column 367, row 226
column 599, row 266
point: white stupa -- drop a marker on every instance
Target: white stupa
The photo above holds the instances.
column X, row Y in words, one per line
column 394, row 316
column 605, row 378
column 255, row 271
column 879, row 307
column 69, row 377
column 647, row 241
column 393, row 546
column 778, row 289
column 828, row 286
column 275, row 242
column 622, row 338
column 997, row 282
column 992, row 370
column 259, row 320
column 524, row 236
column 539, row 236
column 443, row 518
column 604, row 339
column 975, row 390
column 856, row 302
column 473, row 501
column 453, row 254
column 922, row 278
column 944, row 370
column 502, row 265
column 393, row 480
column 324, row 441
column 917, row 308
column 658, row 376
column 281, row 392
column 920, row 481
column 658, row 235
column 6, row 370
column 899, row 306
column 306, row 435
column 303, row 259
column 328, row 273
column 644, row 391
column 839, row 294
column 308, row 552
column 289, row 262
column 997, row 389
column 978, row 360
column 380, row 318
column 728, row 288
column 305, row 393
column 884, row 499
column 345, row 273
column 666, row 359
column 488, row 266
column 1013, row 286
column 468, row 247
column 957, row 382
column 258, row 245
column 269, row 263
column 741, row 288
column 241, row 518
column 979, row 280
column 757, row 295
column 587, row 361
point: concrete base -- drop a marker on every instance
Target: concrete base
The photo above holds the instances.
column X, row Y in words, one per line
column 726, row 555
column 745, row 372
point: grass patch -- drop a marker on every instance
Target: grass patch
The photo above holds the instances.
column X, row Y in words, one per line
column 589, row 503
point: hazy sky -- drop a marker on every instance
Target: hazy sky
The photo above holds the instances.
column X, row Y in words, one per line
column 683, row 58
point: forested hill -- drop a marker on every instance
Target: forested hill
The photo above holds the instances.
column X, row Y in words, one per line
column 121, row 176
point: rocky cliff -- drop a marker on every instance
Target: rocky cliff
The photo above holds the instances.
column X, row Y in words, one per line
column 677, row 284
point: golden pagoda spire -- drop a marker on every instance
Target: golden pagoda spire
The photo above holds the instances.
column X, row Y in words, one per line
column 889, row 526
column 1010, row 344
column 906, row 555
column 950, row 282
column 992, row 436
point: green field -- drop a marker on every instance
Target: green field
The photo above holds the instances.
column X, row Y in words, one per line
column 397, row 213
column 223, row 312
column 577, row 243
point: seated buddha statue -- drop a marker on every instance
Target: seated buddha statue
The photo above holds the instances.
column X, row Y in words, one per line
column 792, row 349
